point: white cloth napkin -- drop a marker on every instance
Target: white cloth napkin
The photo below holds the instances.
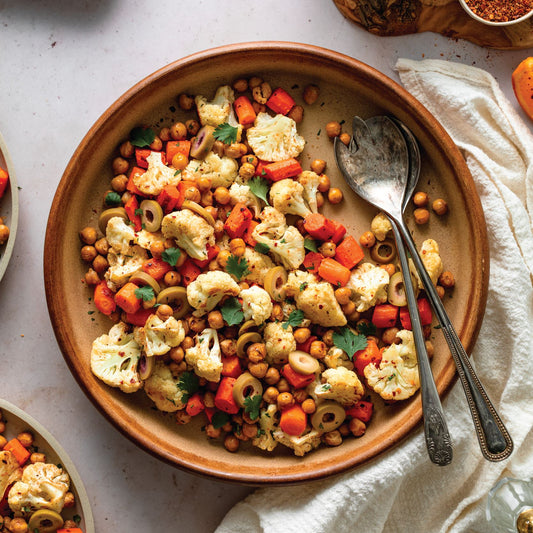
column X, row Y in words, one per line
column 402, row 490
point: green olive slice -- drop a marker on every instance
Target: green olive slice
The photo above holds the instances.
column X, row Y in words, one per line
column 146, row 366
column 329, row 415
column 246, row 386
column 247, row 326
column 110, row 213
column 199, row 210
column 303, row 363
column 383, row 252
column 274, row 282
column 152, row 215
column 176, row 297
column 142, row 278
column 203, row 142
column 244, row 340
column 396, row 290
column 45, row 521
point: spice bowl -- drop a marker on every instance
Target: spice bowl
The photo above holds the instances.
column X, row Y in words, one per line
column 498, row 12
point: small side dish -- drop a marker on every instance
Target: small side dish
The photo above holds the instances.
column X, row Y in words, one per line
column 233, row 297
column 498, row 12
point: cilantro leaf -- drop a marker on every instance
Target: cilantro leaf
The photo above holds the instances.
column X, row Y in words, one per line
column 238, row 266
column 262, row 248
column 350, row 342
column 259, row 186
column 112, row 198
column 142, row 137
column 171, row 256
column 226, row 133
column 232, row 312
column 310, row 244
column 295, row 319
column 145, row 293
column 366, row 328
column 252, row 404
column 219, row 419
column 189, row 384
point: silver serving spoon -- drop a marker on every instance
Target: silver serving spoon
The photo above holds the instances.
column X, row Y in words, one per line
column 376, row 166
column 494, row 439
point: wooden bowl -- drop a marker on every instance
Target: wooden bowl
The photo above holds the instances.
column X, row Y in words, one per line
column 348, row 88
column 18, row 421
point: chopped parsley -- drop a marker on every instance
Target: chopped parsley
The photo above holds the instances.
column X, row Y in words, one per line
column 238, row 266
column 171, row 256
column 139, row 211
column 259, row 186
column 142, row 137
column 226, row 133
column 350, row 342
column 251, row 406
column 232, row 312
column 145, row 293
column 295, row 319
column 188, row 384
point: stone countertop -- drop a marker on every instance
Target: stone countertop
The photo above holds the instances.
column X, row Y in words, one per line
column 62, row 63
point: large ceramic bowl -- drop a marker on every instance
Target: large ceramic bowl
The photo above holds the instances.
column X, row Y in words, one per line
column 348, row 88
column 18, row 421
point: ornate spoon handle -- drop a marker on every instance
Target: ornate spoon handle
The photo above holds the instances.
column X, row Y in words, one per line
column 494, row 439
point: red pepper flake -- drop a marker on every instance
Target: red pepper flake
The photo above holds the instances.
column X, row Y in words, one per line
column 500, row 10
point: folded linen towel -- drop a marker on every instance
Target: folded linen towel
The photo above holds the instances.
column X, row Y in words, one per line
column 402, row 490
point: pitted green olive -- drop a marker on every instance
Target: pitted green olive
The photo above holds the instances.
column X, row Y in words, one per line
column 199, row 210
column 303, row 363
column 247, row 326
column 274, row 282
column 146, row 367
column 244, row 340
column 396, row 290
column 383, row 252
column 246, row 386
column 142, row 278
column 176, row 297
column 45, row 521
column 205, row 138
column 328, row 416
column 152, row 215
column 108, row 214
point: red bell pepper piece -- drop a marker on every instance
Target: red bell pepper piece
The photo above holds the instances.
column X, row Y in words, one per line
column 297, row 380
column 104, row 298
column 140, row 317
column 212, row 252
column 361, row 410
column 424, row 309
column 131, row 187
column 238, row 221
column 189, row 272
column 348, row 253
column 168, row 198
column 131, row 207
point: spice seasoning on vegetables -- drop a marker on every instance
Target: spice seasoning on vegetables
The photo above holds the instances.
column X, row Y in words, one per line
column 500, row 10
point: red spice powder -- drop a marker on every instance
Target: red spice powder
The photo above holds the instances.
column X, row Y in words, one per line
column 500, row 10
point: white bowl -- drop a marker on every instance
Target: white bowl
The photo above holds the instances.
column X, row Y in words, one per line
column 492, row 23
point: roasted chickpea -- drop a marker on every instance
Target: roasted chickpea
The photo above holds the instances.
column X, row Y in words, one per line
column 447, row 280
column 328, row 249
column 277, row 313
column 301, row 335
column 182, row 417
column 25, row 438
column 345, row 138
column 119, row 183
column 256, row 352
column 310, row 94
column 164, row 134
column 70, row 500
column 180, row 161
column 390, row 336
column 332, row 438
column 319, row 199
column 240, row 85
column 88, row 235
column 237, row 247
column 324, row 183
column 120, row 165
column 335, row 195
column 157, row 248
column 421, row 215
column 235, row 150
column 196, row 324
column 187, row 342
column 193, row 194
column 328, row 337
column 185, row 102
column 212, row 432
column 164, row 312
column 231, row 443
column 178, row 131
column 100, row 264
column 262, row 92
column 354, row 317
column 91, row 277
column 285, row 400
column 283, row 385
column 259, row 108
column 18, row 525
column 258, row 370
column 389, row 267
column 156, row 144
column 88, row 253
column 318, row 166
column 333, row 129
column 228, row 347
column 296, row 113
column 357, row 427
column 439, row 206
column 222, row 196
column 421, row 199
column 272, row 376
column 270, row 395
column 309, row 406
column 3, row 442
column 102, row 246
column 37, row 458
column 299, row 395
column 193, row 127
column 250, row 159
column 177, row 354
column 342, row 295
column 206, row 199
column 318, row 349
column 246, row 171
column 126, row 149
column 249, row 430
column 367, row 239
column 4, row 233
column 440, row 291
column 349, row 308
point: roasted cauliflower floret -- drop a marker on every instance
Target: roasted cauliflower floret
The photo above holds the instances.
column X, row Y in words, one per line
column 120, row 235
column 256, row 304
column 275, row 138
column 258, row 265
column 316, row 299
column 337, row 357
column 287, row 197
column 209, row 288
column 122, row 266
column 369, row 285
column 268, row 423
column 218, row 110
column 380, row 226
column 162, row 387
column 158, row 336
column 341, row 385
column 243, row 194
column 286, row 243
column 279, row 342
column 156, row 177
column 310, row 181
column 396, row 376
column 10, row 470
column 221, row 171
column 114, row 358
column 205, row 355
column 190, row 231
column 145, row 239
column 429, row 253
column 299, row 445
column 42, row 486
